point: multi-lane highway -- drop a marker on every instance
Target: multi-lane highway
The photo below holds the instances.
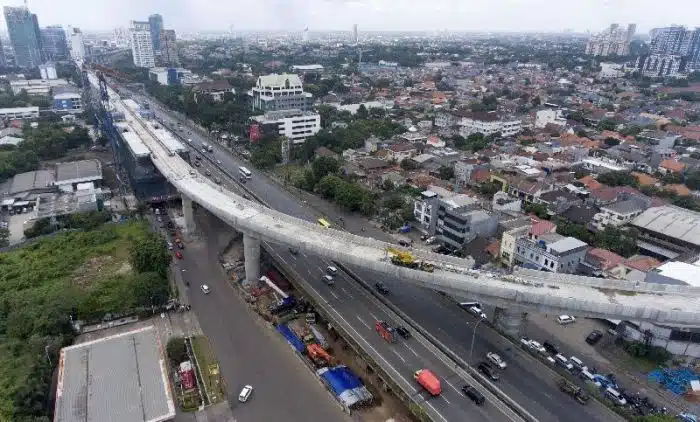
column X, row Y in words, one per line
column 359, row 311
column 526, row 380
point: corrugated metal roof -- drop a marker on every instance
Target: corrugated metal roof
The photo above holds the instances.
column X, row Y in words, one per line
column 117, row 378
column 671, row 221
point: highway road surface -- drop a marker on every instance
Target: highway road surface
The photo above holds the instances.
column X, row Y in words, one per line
column 404, row 358
column 248, row 351
column 526, row 380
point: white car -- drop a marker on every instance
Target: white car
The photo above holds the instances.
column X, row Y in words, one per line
column 192, row 172
column 331, row 270
column 536, row 346
column 496, row 360
column 477, row 311
column 565, row 319
column 245, row 394
column 205, row 289
column 218, row 162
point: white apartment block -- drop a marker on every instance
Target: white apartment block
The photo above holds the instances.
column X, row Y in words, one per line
column 618, row 213
column 488, row 124
column 280, row 92
column 77, row 46
column 549, row 116
column 614, row 41
column 142, row 44
column 38, row 87
column 295, row 125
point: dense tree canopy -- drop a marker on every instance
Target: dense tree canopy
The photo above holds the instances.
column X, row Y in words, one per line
column 617, row 178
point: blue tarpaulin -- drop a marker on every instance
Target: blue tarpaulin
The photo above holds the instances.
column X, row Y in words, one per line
column 345, row 385
column 292, row 338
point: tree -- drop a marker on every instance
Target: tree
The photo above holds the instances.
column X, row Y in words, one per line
column 176, row 350
column 4, row 237
column 618, row 178
column 362, row 112
column 540, row 210
column 149, row 255
column 692, row 181
column 394, row 202
column 622, row 242
column 328, row 186
column 489, row 188
column 446, row 173
column 611, row 142
column 388, row 185
column 323, row 166
column 607, row 124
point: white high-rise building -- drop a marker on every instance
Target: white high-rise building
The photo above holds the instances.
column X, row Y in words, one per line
column 142, row 44
column 355, row 37
column 614, row 41
column 122, row 38
column 77, row 46
column 305, row 35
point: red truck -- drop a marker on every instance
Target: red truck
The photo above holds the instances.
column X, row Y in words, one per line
column 429, row 381
column 385, row 331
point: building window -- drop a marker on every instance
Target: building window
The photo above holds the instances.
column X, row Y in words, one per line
column 546, row 261
column 551, row 264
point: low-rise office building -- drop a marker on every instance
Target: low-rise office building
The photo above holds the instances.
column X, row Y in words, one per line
column 295, row 125
column 280, row 92
column 37, row 87
column 550, row 252
column 22, row 113
column 619, row 213
column 488, row 124
column 67, row 99
column 216, row 90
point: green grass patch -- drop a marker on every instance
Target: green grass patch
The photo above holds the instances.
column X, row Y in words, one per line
column 209, row 367
column 74, row 274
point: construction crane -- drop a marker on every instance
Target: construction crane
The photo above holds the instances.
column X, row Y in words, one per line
column 406, row 259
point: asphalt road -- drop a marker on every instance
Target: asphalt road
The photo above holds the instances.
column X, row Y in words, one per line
column 249, row 352
column 526, row 380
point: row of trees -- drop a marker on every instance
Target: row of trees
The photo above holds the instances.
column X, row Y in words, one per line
column 691, row 180
column 46, row 142
column 324, row 178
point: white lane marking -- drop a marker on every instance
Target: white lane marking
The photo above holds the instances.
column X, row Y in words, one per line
column 292, row 255
column 334, row 294
column 363, row 322
column 375, row 317
column 304, row 255
column 411, row 349
column 400, row 357
column 435, row 410
column 453, row 387
column 347, row 293
column 444, row 398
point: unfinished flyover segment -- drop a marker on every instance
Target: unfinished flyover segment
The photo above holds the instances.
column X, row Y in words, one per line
column 513, row 294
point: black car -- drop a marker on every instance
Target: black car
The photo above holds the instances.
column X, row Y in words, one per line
column 381, row 288
column 550, row 348
column 294, row 251
column 487, row 370
column 594, row 337
column 403, row 332
column 473, row 394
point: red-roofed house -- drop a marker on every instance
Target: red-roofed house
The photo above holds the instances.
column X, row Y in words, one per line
column 671, row 166
column 590, row 183
column 603, row 259
column 541, row 227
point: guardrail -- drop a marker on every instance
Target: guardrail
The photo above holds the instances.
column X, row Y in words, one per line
column 455, row 360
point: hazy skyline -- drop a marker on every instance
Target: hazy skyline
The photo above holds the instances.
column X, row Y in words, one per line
column 294, row 15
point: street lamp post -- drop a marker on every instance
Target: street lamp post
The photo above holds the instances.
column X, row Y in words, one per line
column 471, row 349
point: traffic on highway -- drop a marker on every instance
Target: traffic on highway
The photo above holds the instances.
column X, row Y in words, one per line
column 525, row 379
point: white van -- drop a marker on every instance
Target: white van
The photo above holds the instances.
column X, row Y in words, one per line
column 615, row 396
column 327, row 279
column 577, row 362
column 587, row 376
column 331, row 270
column 561, row 360
column 245, row 394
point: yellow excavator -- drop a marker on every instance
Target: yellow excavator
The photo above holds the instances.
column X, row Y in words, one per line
column 406, row 259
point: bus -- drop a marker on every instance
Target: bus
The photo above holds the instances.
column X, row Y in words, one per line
column 324, row 222
column 244, row 173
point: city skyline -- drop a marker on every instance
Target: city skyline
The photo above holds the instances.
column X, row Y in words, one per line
column 370, row 15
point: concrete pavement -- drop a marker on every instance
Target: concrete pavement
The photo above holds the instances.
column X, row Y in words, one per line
column 248, row 351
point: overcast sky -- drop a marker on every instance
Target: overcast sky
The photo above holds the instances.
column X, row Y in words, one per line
column 468, row 15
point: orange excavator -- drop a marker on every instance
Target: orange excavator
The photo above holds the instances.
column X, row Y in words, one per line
column 319, row 356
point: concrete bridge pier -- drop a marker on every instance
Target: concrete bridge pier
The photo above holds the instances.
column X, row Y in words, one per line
column 251, row 256
column 188, row 213
column 510, row 321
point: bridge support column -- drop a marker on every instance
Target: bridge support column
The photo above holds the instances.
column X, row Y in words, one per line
column 188, row 212
column 251, row 256
column 510, row 321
